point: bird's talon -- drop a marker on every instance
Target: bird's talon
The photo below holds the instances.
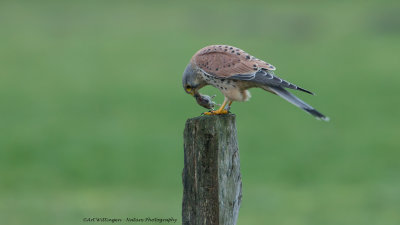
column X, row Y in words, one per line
column 224, row 111
column 208, row 113
column 218, row 112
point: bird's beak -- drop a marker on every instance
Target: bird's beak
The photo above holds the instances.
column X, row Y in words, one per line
column 190, row 91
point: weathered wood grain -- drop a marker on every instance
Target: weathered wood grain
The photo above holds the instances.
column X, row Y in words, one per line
column 212, row 185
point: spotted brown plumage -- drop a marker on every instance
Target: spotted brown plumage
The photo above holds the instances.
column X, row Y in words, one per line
column 226, row 61
column 234, row 71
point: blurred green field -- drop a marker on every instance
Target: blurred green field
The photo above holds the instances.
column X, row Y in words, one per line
column 92, row 109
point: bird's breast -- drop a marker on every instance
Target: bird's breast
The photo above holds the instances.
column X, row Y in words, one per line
column 236, row 94
column 232, row 89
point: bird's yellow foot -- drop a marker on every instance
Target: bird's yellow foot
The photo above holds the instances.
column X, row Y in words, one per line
column 217, row 112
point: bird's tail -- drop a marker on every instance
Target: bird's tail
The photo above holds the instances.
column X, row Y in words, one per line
column 296, row 101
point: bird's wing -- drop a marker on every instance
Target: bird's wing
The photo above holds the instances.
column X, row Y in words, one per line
column 229, row 62
column 226, row 61
column 268, row 78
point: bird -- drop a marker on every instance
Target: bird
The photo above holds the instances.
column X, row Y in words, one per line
column 234, row 71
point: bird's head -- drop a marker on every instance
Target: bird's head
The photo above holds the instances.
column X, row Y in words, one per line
column 191, row 80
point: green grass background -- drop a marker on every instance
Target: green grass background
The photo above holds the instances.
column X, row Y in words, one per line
column 92, row 109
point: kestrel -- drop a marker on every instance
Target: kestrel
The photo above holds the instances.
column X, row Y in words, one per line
column 233, row 72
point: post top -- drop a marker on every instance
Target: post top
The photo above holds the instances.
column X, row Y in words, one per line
column 212, row 117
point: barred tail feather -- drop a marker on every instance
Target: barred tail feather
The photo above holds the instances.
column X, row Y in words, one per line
column 296, row 101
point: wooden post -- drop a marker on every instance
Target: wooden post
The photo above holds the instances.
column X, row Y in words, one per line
column 212, row 184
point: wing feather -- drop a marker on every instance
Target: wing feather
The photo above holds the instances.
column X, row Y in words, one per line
column 229, row 62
